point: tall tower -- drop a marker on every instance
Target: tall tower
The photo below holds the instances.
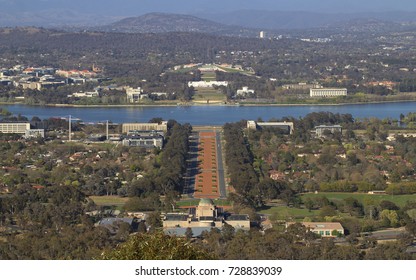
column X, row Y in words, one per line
column 262, row 34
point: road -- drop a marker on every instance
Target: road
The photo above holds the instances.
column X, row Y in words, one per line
column 194, row 168
column 192, row 165
column 220, row 165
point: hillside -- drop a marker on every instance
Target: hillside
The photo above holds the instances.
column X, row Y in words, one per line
column 162, row 22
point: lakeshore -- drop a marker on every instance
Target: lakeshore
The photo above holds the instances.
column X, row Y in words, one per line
column 209, row 114
column 197, row 104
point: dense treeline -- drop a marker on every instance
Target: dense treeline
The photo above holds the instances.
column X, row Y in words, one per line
column 166, row 177
column 52, row 225
column 401, row 188
column 239, row 162
column 251, row 190
column 173, row 159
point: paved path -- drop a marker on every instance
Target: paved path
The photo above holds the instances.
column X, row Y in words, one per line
column 204, row 177
column 206, row 181
column 192, row 165
column 221, row 176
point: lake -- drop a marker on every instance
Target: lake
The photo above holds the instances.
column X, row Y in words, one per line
column 210, row 114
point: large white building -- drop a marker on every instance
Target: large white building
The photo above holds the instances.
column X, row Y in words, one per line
column 145, row 141
column 134, row 94
column 204, row 84
column 319, row 130
column 127, row 127
column 245, row 91
column 206, row 216
column 34, row 133
column 85, row 94
column 286, row 126
column 21, row 128
column 327, row 92
column 18, row 128
column 324, row 229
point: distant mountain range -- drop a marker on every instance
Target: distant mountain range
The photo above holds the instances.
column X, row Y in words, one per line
column 239, row 25
column 162, row 22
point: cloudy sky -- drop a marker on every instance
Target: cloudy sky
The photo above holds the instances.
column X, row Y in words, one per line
column 138, row 7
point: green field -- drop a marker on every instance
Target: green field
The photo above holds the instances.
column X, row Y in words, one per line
column 283, row 212
column 399, row 200
column 109, row 200
column 208, row 94
column 209, row 76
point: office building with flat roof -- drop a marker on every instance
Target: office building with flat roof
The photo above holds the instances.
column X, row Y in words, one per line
column 327, row 92
column 14, row 127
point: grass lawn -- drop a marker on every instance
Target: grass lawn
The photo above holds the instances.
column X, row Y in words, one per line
column 109, row 200
column 208, row 94
column 399, row 200
column 283, row 212
column 209, row 76
column 195, row 202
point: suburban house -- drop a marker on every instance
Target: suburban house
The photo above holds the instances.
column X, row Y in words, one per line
column 324, row 229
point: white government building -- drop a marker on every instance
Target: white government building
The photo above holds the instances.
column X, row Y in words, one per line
column 21, row 128
column 327, row 92
column 126, row 127
column 204, row 84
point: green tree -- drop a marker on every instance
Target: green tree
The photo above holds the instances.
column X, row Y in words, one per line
column 156, row 246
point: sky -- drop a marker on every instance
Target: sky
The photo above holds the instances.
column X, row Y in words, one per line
column 139, row 7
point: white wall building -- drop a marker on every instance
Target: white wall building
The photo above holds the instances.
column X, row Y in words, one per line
column 204, row 84
column 34, row 133
column 19, row 128
column 127, row 127
column 287, row 126
column 134, row 94
column 245, row 91
column 85, row 94
column 319, row 130
column 327, row 92
column 324, row 229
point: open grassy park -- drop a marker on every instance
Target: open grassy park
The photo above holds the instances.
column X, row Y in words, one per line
column 110, row 201
column 364, row 198
column 281, row 212
column 213, row 95
column 284, row 212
